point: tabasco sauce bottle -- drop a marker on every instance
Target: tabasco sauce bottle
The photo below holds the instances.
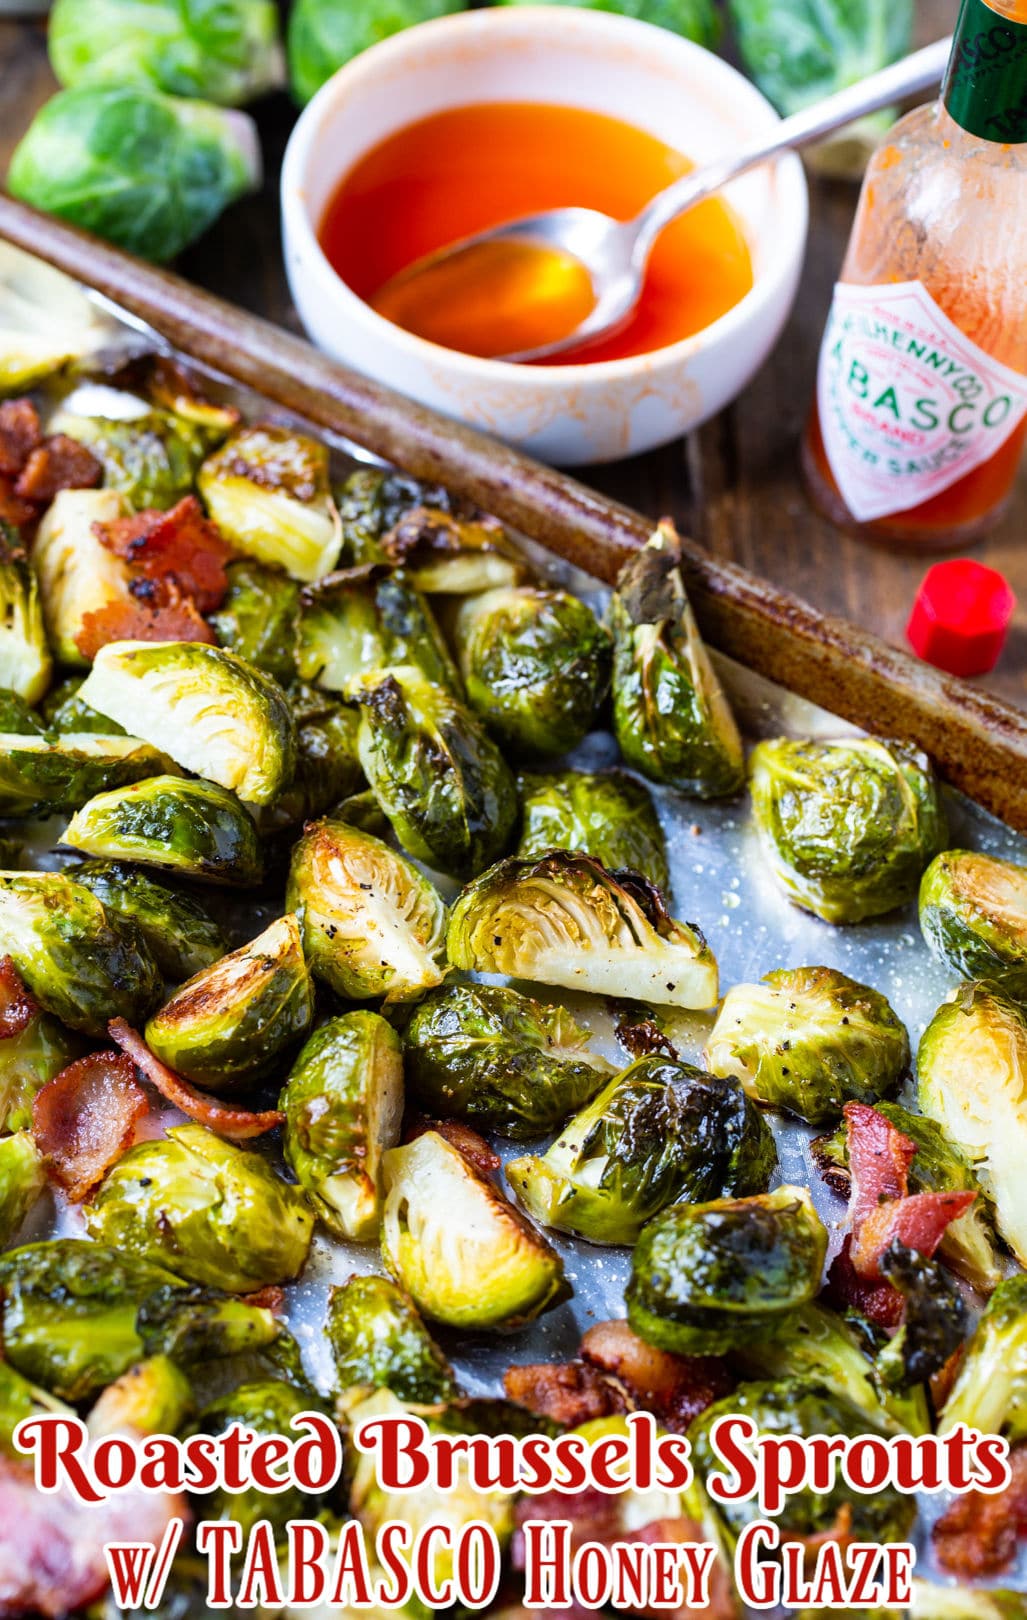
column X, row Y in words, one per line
column 921, row 402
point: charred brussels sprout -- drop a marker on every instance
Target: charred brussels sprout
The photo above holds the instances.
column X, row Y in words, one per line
column 462, row 1252
column 77, row 574
column 439, row 778
column 659, row 1132
column 706, row 1278
column 343, row 1106
column 379, row 1342
column 973, row 915
column 183, row 938
column 22, row 1179
column 934, row 1319
column 82, row 963
column 229, row 1025
column 198, row 1325
column 500, row 1060
column 267, row 490
column 327, row 763
column 808, row 1040
column 217, row 1213
column 670, row 715
column 40, row 776
column 257, row 619
column 25, row 662
column 605, row 814
column 372, row 925
column 536, row 665
column 990, row 1392
column 847, row 827
column 368, row 619
column 62, row 710
column 153, row 1397
column 151, row 459
column 38, row 1049
column 444, row 545
column 216, row 714
column 265, row 1407
column 564, row 920
column 183, row 826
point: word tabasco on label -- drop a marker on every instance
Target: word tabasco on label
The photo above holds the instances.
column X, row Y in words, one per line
column 908, row 404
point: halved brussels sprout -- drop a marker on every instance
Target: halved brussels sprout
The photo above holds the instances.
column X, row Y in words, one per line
column 564, row 920
column 847, row 827
column 22, row 1179
column 536, row 665
column 990, row 1391
column 434, row 770
column 462, row 1252
column 379, row 1342
column 40, row 1049
column 215, row 714
column 81, row 962
column 372, row 924
column 42, row 776
column 808, row 1040
column 500, row 1060
column 367, row 619
column 371, row 502
column 62, row 710
column 25, row 661
column 216, row 1212
column 264, row 1408
column 184, row 826
column 973, row 915
column 76, row 572
column 150, row 457
column 343, row 1106
column 706, row 1278
column 153, row 1397
column 183, row 937
column 46, row 321
column 444, row 545
column 657, row 1133
column 229, row 1025
column 257, row 619
column 605, row 814
column 267, row 490
column 670, row 715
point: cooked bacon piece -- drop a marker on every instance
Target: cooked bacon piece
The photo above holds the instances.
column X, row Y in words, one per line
column 236, row 1123
column 181, row 545
column 13, row 509
column 17, row 1007
column 879, row 1161
column 593, row 1516
column 58, row 463
column 173, row 620
column 917, row 1222
column 722, row 1605
column 85, row 1118
column 674, row 1388
column 20, row 433
column 269, row 1298
column 977, row 1536
column 568, row 1392
column 879, row 1302
column 881, row 1210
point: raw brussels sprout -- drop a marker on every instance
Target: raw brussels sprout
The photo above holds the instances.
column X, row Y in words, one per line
column 18, row 718
column 973, row 915
column 267, row 1407
column 151, row 458
column 153, row 1397
column 62, row 710
column 499, row 1060
column 323, row 34
column 379, row 1342
column 847, row 827
column 536, row 666
column 659, row 1132
column 605, row 814
column 257, row 619
column 184, row 826
column 438, row 776
column 216, row 1212
column 147, row 171
column 706, row 1278
column 22, row 1179
column 25, row 662
column 228, row 52
column 343, row 1106
column 216, row 714
column 198, row 1325
column 693, row 19
column 462, row 1252
column 82, row 963
column 798, row 52
column 77, row 574
column 28, row 1059
column 564, row 920
column 372, row 924
column 808, row 1040
column 990, row 1391
column 670, row 715
column 365, row 620
column 228, row 1026
column 183, row 937
column 42, row 776
column 267, row 490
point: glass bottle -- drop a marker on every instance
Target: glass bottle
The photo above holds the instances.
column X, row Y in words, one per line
column 921, row 404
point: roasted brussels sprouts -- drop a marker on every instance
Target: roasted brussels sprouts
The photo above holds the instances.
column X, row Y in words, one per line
column 444, row 545
column 77, row 575
column 22, row 1179
column 461, row 1251
column 267, row 490
column 499, row 1060
column 973, row 915
column 199, row 1325
column 659, row 1132
column 343, row 1106
column 706, row 1278
column 25, row 662
column 62, row 710
column 216, row 714
column 19, row 1399
column 183, row 937
column 257, row 619
column 183, row 826
column 372, row 925
column 40, row 776
column 229, row 1025
column 18, row 718
column 990, row 1391
column 934, row 1319
column 39, row 1048
column 267, row 1407
column 364, row 620
column 153, row 1397
column 847, row 827
column 327, row 763
column 379, row 1342
column 151, row 458
column 217, row 1213
column 808, row 1040
column 605, row 814
column 564, row 920
column 323, row 34
column 440, row 779
column 82, row 963
column 47, row 321
column 670, row 715
column 536, row 666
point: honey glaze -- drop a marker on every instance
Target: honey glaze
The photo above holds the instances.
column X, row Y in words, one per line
column 469, row 168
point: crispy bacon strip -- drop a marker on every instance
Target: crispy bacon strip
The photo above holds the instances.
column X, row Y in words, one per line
column 85, row 1118
column 675, row 1388
column 17, row 1007
column 977, row 1535
column 917, row 1222
column 58, row 463
column 568, row 1392
column 845, row 1289
column 236, row 1123
column 176, row 619
column 879, row 1161
column 20, row 433
column 180, row 545
column 13, row 509
column 880, row 1208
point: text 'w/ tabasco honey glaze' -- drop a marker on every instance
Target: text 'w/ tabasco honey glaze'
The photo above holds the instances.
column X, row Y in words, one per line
column 464, row 170
column 921, row 404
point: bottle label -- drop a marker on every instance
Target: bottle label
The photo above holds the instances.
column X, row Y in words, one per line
column 908, row 403
column 985, row 88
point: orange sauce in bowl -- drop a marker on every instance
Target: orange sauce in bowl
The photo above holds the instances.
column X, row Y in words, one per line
column 469, row 168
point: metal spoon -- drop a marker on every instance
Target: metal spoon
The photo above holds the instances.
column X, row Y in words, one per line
column 615, row 252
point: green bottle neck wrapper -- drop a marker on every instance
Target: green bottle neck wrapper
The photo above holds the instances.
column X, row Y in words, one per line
column 985, row 88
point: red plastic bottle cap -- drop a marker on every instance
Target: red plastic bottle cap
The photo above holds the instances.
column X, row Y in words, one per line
column 960, row 617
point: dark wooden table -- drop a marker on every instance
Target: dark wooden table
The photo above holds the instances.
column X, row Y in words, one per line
column 734, row 484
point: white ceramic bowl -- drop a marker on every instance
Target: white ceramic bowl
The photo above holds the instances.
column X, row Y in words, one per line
column 631, row 70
